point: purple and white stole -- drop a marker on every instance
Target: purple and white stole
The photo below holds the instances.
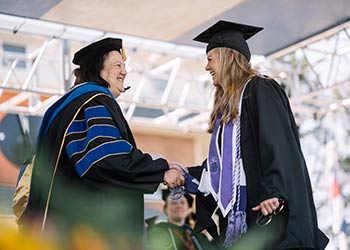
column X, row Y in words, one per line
column 225, row 177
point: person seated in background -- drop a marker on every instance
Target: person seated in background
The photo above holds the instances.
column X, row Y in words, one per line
column 176, row 232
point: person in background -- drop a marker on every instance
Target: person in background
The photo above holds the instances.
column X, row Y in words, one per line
column 176, row 232
column 88, row 174
column 254, row 181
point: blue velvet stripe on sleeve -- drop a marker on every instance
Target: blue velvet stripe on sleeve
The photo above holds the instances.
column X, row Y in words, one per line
column 97, row 112
column 93, row 137
column 106, row 131
column 77, row 127
column 101, row 152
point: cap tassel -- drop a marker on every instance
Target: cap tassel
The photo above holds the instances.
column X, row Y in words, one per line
column 123, row 53
column 232, row 89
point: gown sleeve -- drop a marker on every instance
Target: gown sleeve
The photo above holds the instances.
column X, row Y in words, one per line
column 196, row 171
column 100, row 153
column 278, row 144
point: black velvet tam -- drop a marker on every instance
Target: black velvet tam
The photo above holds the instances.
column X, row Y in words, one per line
column 101, row 47
column 228, row 35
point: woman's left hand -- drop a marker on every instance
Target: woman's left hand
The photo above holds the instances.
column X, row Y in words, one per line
column 268, row 206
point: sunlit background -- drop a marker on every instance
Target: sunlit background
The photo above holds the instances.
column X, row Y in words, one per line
column 305, row 46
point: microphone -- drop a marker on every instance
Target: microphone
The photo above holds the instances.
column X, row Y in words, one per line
column 126, row 88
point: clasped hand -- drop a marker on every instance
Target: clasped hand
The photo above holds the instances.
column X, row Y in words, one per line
column 174, row 176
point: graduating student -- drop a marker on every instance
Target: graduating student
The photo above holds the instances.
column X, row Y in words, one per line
column 88, row 171
column 255, row 178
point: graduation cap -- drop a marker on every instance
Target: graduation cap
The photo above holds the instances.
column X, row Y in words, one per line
column 166, row 192
column 228, row 35
column 101, row 47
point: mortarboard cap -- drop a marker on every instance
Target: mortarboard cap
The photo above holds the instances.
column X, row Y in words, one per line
column 100, row 47
column 228, row 35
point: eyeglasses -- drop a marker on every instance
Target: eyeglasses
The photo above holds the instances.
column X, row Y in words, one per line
column 264, row 220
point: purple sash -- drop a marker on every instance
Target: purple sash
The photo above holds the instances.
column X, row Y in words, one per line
column 227, row 177
column 224, row 166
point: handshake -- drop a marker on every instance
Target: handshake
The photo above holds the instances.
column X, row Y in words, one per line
column 174, row 177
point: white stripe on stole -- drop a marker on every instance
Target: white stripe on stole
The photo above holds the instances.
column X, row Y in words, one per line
column 210, row 188
column 226, row 210
column 205, row 181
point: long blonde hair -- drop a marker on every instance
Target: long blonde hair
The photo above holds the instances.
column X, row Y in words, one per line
column 234, row 72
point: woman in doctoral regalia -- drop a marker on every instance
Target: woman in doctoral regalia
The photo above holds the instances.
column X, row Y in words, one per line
column 88, row 174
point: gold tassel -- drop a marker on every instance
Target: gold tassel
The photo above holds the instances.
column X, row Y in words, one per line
column 123, row 53
column 232, row 89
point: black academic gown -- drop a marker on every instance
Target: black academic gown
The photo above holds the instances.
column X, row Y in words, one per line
column 108, row 198
column 274, row 166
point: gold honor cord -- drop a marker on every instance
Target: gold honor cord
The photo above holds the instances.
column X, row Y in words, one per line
column 57, row 160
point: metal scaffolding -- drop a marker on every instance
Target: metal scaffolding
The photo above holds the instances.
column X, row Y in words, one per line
column 170, row 88
column 315, row 72
column 165, row 88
